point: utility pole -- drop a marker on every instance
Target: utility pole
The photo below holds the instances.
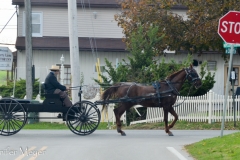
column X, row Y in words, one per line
column 28, row 48
column 74, row 48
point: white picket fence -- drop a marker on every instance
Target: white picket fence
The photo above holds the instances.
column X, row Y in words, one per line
column 206, row 108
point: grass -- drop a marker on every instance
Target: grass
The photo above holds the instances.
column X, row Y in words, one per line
column 218, row 148
column 184, row 125
column 3, row 76
column 55, row 126
column 180, row 125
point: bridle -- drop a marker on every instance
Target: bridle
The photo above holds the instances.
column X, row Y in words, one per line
column 194, row 77
column 190, row 74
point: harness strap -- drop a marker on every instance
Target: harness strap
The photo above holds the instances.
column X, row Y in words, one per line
column 126, row 96
column 157, row 87
column 172, row 88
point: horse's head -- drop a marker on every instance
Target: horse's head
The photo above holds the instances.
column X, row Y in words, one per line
column 192, row 77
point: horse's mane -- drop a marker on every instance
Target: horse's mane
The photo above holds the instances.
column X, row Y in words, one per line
column 174, row 74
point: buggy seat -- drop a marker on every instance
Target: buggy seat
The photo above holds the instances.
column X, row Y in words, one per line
column 51, row 99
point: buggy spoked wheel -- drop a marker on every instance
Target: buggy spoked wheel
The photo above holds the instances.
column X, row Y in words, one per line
column 12, row 117
column 83, row 118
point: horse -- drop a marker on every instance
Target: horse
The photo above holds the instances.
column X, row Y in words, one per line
column 162, row 94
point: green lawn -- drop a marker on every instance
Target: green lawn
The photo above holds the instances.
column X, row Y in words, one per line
column 184, row 125
column 218, row 148
column 180, row 125
column 47, row 125
column 3, row 77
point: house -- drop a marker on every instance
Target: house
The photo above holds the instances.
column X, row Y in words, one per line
column 98, row 32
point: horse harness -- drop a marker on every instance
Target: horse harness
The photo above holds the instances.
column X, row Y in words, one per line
column 157, row 85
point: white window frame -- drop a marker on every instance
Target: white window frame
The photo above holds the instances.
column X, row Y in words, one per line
column 211, row 65
column 41, row 24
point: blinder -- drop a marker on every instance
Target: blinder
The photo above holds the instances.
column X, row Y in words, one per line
column 191, row 75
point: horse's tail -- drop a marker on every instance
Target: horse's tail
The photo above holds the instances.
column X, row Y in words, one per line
column 109, row 93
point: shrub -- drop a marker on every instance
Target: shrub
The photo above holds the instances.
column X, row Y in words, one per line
column 20, row 89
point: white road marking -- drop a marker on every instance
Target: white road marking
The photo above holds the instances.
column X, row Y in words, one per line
column 174, row 151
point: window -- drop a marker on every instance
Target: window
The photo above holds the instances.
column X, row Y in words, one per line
column 67, row 74
column 211, row 65
column 236, row 69
column 36, row 24
column 102, row 68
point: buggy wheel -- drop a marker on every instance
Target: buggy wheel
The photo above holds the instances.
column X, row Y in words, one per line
column 83, row 118
column 12, row 117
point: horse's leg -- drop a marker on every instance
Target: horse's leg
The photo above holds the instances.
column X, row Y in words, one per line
column 172, row 111
column 118, row 113
column 166, row 122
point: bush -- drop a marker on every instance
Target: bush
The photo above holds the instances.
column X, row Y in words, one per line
column 20, row 89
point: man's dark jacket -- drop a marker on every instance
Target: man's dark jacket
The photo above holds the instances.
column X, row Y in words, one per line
column 51, row 84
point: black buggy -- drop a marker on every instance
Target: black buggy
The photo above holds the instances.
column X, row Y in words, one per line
column 82, row 118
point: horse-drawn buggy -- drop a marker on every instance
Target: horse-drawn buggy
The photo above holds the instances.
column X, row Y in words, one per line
column 83, row 117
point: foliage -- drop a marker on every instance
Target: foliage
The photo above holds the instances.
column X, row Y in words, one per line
column 81, row 79
column 207, row 83
column 3, row 77
column 145, row 66
column 20, row 89
column 195, row 33
column 226, row 147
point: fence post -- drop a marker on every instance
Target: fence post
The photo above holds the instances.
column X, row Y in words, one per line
column 210, row 95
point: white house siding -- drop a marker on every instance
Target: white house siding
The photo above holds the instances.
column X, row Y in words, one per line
column 219, row 76
column 55, row 22
column 44, row 59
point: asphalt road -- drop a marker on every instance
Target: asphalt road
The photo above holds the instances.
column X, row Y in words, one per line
column 101, row 145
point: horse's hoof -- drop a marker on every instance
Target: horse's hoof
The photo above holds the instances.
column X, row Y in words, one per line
column 123, row 134
column 170, row 134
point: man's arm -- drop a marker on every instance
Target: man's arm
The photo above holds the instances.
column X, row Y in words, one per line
column 56, row 84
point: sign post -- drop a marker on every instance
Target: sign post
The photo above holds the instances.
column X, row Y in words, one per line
column 233, row 77
column 229, row 31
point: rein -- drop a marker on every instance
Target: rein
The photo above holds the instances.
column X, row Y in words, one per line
column 184, row 98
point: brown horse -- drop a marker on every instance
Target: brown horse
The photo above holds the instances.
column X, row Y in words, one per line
column 161, row 94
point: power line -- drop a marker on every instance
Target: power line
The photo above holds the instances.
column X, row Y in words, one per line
column 92, row 40
column 8, row 21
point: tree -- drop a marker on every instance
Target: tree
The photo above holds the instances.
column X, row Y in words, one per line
column 195, row 34
column 145, row 66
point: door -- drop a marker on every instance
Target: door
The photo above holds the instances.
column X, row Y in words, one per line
column 236, row 68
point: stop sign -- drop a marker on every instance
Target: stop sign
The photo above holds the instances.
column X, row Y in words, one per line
column 229, row 27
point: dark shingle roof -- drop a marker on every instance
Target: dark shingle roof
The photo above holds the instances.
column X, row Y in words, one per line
column 62, row 43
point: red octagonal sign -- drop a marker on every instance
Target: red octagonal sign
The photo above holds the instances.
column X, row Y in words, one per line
column 229, row 27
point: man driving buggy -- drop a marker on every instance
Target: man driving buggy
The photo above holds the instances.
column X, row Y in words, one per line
column 52, row 86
